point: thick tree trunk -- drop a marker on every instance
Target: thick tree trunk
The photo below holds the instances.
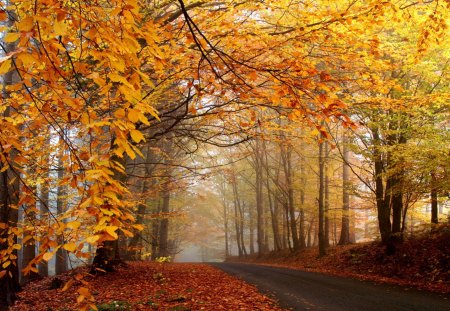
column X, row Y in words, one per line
column 9, row 283
column 383, row 209
column 107, row 255
column 9, row 197
column 29, row 248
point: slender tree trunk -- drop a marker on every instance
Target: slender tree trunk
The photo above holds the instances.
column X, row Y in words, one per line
column 225, row 226
column 345, row 227
column 321, row 231
column 61, row 254
column 286, row 156
column 252, row 230
column 259, row 198
column 326, row 229
column 43, row 212
column 164, row 224
column 155, row 230
column 302, row 243
column 434, row 201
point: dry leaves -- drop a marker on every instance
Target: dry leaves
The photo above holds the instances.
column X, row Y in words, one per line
column 153, row 286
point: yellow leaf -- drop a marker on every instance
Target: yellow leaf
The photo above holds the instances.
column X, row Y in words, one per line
column 26, row 59
column 5, row 66
column 137, row 136
column 73, row 224
column 112, row 231
column 133, row 115
column 6, row 264
column 17, row 246
column 60, row 28
column 80, row 299
column 11, row 37
column 47, row 256
column 139, row 227
column 92, row 239
column 26, row 24
column 127, row 233
column 71, row 247
column 67, row 285
column 84, row 291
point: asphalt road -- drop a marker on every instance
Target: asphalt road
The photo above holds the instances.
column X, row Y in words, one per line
column 299, row 290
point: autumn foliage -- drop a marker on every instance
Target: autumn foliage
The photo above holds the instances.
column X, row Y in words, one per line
column 102, row 101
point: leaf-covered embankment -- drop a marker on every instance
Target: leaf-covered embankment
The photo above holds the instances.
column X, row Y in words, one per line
column 420, row 262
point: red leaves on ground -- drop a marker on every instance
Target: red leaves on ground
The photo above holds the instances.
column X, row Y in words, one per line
column 153, row 286
column 421, row 262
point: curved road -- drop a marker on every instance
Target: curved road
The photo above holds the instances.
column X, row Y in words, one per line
column 300, row 290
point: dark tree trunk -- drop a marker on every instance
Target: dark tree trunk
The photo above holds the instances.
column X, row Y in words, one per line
column 326, row 198
column 9, row 197
column 383, row 209
column 434, row 201
column 286, row 156
column 345, row 227
column 61, row 254
column 107, row 254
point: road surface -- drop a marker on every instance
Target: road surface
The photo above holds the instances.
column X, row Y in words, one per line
column 299, row 290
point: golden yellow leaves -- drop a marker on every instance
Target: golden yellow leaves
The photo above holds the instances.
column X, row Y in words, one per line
column 71, row 247
column 137, row 136
column 11, row 37
column 5, row 66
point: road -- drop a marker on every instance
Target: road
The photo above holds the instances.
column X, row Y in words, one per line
column 299, row 290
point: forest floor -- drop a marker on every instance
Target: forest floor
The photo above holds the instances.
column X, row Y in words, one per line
column 150, row 286
column 421, row 262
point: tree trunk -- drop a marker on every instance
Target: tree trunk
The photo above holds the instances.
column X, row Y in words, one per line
column 302, row 243
column 61, row 254
column 259, row 199
column 345, row 227
column 326, row 229
column 434, row 201
column 286, row 156
column 321, row 232
column 164, row 224
column 383, row 209
column 9, row 197
column 28, row 248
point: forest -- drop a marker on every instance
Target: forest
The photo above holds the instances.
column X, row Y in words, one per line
column 189, row 130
